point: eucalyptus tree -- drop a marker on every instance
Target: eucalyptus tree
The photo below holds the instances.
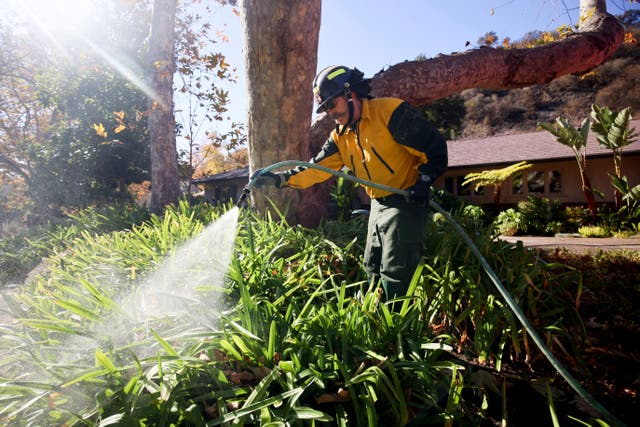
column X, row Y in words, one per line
column 161, row 65
column 176, row 45
column 280, row 55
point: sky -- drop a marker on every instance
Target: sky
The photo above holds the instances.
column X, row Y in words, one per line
column 373, row 35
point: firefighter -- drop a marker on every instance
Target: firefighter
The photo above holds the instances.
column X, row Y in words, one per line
column 382, row 140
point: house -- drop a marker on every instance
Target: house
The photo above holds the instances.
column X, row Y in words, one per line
column 554, row 173
column 225, row 186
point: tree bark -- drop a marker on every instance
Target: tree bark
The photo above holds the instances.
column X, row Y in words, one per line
column 164, row 163
column 281, row 41
column 587, row 189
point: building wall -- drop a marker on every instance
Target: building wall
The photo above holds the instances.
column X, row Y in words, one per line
column 222, row 190
column 569, row 191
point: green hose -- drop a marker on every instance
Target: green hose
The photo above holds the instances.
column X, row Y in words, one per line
column 485, row 265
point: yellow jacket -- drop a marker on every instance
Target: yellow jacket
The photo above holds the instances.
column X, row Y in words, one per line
column 391, row 144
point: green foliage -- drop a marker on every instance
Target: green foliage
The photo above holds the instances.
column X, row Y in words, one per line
column 447, row 115
column 576, row 139
column 473, row 217
column 629, row 213
column 302, row 339
column 541, row 216
column 536, row 215
column 593, row 231
column 344, row 194
column 494, row 177
column 566, row 134
column 509, row 223
column 98, row 146
column 612, row 131
column 611, row 128
column 575, row 217
column 22, row 251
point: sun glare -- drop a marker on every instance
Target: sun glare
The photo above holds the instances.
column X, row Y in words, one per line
column 68, row 23
column 58, row 16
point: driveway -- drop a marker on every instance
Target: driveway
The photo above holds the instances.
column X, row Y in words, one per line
column 577, row 244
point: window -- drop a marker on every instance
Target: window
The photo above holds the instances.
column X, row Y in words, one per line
column 535, row 182
column 449, row 183
column 555, row 182
column 462, row 190
column 479, row 192
column 517, row 181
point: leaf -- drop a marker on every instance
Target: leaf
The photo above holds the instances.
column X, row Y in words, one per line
column 104, row 361
column 167, row 347
column 100, row 131
column 120, row 128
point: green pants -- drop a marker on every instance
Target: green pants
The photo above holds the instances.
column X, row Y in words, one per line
column 394, row 244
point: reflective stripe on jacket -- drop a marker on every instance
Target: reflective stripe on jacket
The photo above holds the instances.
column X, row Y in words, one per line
column 391, row 144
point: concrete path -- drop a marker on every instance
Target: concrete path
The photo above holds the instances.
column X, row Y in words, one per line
column 578, row 244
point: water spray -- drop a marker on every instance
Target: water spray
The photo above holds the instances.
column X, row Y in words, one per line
column 483, row 262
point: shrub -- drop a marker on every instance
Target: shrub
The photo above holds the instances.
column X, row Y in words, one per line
column 575, row 217
column 509, row 223
column 540, row 215
column 593, row 231
column 473, row 218
column 21, row 252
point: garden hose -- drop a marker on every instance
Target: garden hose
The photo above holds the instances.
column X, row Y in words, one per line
column 485, row 265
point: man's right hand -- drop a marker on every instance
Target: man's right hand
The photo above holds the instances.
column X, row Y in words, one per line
column 265, row 178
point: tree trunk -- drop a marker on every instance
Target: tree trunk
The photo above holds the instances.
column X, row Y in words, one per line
column 588, row 194
column 164, row 163
column 497, row 192
column 281, row 41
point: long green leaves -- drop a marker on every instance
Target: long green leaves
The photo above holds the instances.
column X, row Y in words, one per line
column 301, row 338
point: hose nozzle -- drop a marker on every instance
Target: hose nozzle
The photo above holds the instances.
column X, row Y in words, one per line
column 243, row 198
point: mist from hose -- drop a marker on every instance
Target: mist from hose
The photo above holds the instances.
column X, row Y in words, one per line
column 186, row 286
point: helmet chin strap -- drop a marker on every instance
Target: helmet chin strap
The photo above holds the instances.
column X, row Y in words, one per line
column 347, row 93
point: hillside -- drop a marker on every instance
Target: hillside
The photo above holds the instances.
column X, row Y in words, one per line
column 479, row 113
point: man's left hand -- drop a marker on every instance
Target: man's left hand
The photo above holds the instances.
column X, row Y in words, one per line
column 421, row 191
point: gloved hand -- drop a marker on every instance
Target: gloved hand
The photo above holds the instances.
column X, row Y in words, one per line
column 421, row 191
column 265, row 178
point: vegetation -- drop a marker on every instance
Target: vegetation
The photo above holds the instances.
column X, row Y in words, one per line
column 301, row 338
column 495, row 178
column 612, row 131
column 576, row 139
column 294, row 334
column 73, row 129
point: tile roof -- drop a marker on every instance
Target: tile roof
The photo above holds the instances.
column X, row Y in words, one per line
column 532, row 146
column 224, row 176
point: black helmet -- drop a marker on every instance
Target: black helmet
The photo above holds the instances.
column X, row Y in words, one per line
column 337, row 80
